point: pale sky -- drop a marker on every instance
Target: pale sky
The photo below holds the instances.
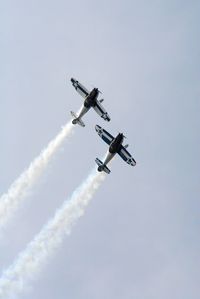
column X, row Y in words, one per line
column 139, row 238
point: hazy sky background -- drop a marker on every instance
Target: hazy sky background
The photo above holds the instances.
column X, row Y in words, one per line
column 139, row 238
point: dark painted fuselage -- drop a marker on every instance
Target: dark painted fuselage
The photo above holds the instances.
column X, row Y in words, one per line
column 91, row 98
column 116, row 143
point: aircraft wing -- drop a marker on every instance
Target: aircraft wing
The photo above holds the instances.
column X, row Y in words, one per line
column 107, row 137
column 126, row 156
column 80, row 88
column 101, row 111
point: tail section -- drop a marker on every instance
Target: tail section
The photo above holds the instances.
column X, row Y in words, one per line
column 102, row 167
column 77, row 120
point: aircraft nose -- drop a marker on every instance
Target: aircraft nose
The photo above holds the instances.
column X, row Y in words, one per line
column 72, row 80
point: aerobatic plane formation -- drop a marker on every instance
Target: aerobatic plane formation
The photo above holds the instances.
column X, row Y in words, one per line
column 115, row 143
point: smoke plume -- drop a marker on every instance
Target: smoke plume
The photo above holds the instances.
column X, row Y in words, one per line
column 32, row 259
column 10, row 201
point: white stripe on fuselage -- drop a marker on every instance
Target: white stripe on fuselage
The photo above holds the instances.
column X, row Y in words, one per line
column 109, row 157
column 83, row 111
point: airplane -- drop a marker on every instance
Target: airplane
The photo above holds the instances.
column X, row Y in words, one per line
column 90, row 101
column 115, row 146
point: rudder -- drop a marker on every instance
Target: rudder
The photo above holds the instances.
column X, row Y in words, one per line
column 102, row 167
column 76, row 120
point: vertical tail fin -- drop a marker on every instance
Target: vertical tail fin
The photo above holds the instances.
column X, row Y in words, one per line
column 102, row 167
column 77, row 120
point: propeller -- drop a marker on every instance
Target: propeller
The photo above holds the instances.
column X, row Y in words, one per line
column 97, row 88
column 122, row 134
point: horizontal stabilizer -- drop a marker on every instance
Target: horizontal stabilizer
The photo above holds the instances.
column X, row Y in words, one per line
column 77, row 120
column 101, row 100
column 102, row 167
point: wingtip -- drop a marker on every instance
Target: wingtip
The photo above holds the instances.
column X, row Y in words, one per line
column 72, row 80
column 97, row 127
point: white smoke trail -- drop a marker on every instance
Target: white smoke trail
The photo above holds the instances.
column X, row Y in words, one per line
column 10, row 201
column 44, row 244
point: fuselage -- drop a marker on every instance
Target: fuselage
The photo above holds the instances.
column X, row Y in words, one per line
column 91, row 98
column 116, row 143
column 113, row 149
